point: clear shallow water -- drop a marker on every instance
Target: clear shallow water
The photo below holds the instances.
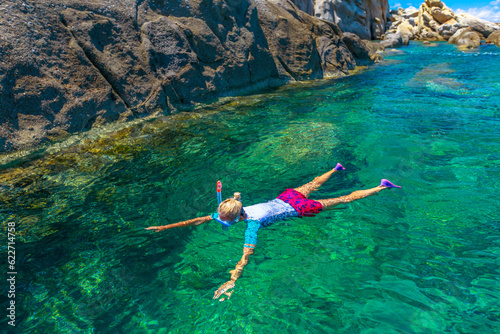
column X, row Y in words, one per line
column 424, row 259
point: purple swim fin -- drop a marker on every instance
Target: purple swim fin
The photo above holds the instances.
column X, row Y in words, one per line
column 388, row 184
column 339, row 167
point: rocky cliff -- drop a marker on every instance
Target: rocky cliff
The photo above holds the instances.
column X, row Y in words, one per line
column 365, row 18
column 70, row 65
column 434, row 21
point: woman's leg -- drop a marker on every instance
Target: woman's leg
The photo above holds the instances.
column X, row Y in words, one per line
column 358, row 194
column 308, row 188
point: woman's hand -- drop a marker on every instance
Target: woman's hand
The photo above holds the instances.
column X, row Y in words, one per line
column 155, row 228
column 224, row 290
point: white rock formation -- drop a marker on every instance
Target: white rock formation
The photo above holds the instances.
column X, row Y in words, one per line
column 365, row 18
column 434, row 21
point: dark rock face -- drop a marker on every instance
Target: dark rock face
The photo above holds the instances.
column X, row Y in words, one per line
column 68, row 66
column 363, row 50
column 47, row 83
column 115, row 51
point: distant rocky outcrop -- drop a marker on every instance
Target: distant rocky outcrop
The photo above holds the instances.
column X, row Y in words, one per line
column 434, row 21
column 67, row 66
column 365, row 18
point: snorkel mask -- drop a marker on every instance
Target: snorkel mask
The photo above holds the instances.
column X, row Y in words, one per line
column 226, row 223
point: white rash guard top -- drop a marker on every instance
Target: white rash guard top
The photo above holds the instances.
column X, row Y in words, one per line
column 265, row 214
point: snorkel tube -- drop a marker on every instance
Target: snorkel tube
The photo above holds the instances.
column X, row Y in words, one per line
column 219, row 192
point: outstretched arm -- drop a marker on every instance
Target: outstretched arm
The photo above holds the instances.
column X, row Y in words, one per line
column 250, row 242
column 191, row 222
column 235, row 274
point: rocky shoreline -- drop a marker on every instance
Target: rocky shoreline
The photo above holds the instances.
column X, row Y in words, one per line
column 434, row 21
column 68, row 66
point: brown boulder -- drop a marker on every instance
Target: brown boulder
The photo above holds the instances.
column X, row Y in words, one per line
column 411, row 13
column 448, row 29
column 494, row 38
column 434, row 3
column 406, row 30
column 433, row 25
column 427, row 34
column 483, row 27
column 303, row 47
column 362, row 50
column 442, row 15
column 394, row 40
column 427, row 17
column 394, row 18
column 466, row 39
column 469, row 40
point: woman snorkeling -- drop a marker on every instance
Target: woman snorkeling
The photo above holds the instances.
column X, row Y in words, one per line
column 291, row 203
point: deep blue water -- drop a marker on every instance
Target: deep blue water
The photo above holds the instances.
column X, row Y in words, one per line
column 423, row 259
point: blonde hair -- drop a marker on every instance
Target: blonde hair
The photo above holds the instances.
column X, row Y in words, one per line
column 231, row 207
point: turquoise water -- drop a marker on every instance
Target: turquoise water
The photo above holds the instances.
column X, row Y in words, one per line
column 423, row 259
